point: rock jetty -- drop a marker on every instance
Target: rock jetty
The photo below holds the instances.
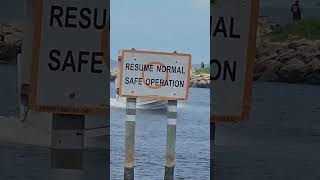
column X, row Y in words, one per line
column 10, row 43
column 295, row 61
column 200, row 81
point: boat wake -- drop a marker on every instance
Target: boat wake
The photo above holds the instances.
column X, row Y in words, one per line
column 149, row 104
column 141, row 104
column 117, row 104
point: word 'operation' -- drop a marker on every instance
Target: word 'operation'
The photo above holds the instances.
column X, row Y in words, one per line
column 154, row 82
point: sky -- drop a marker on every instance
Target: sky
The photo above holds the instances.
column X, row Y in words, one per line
column 161, row 25
column 153, row 25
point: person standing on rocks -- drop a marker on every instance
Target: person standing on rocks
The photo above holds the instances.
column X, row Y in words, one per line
column 296, row 11
column 202, row 65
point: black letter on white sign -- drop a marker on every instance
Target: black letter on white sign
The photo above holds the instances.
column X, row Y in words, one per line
column 84, row 13
column 56, row 15
column 54, row 59
column 71, row 64
column 220, row 28
column 94, row 61
column 232, row 35
column 101, row 26
column 70, row 16
column 81, row 60
column 218, row 70
column 232, row 73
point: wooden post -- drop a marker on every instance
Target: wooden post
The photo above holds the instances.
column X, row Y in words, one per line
column 212, row 150
column 130, row 139
column 171, row 140
column 67, row 146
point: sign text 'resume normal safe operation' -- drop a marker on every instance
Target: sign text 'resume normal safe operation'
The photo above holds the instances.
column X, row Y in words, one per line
column 154, row 81
column 155, row 75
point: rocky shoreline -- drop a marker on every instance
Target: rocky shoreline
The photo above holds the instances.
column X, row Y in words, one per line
column 294, row 60
column 200, row 81
column 10, row 43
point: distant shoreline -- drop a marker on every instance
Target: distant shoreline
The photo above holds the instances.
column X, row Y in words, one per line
column 282, row 15
column 12, row 21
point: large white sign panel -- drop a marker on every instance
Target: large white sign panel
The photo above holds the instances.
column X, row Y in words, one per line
column 155, row 75
column 233, row 31
column 70, row 56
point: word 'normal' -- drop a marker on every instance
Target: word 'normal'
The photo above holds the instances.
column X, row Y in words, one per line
column 155, row 68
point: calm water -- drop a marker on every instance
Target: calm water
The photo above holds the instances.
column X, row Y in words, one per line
column 192, row 151
column 280, row 141
column 192, row 140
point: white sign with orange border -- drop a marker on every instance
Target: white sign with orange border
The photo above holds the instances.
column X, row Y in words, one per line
column 154, row 75
column 70, row 57
column 233, row 45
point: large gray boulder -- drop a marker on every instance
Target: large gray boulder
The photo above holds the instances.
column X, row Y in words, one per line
column 10, row 43
column 271, row 71
column 292, row 71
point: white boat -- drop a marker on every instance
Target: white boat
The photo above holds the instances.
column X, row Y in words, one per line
column 151, row 104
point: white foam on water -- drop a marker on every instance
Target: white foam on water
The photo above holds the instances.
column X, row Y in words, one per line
column 115, row 103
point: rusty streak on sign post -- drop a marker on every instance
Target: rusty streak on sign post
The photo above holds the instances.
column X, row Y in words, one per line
column 233, row 43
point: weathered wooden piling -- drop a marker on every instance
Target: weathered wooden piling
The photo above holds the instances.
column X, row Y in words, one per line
column 130, row 139
column 171, row 140
column 67, row 145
